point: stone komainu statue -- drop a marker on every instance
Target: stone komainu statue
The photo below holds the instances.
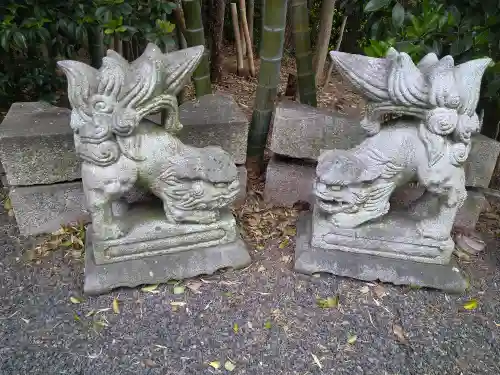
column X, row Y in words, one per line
column 121, row 151
column 354, row 186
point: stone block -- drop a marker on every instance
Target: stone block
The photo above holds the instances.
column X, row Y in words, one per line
column 44, row 208
column 161, row 268
column 482, row 161
column 36, row 145
column 213, row 120
column 301, row 131
column 312, row 259
column 289, row 181
column 468, row 214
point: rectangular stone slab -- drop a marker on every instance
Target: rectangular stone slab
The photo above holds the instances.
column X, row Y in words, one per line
column 213, row 120
column 301, row 131
column 367, row 267
column 480, row 164
column 44, row 208
column 149, row 234
column 36, row 145
column 393, row 236
column 161, row 268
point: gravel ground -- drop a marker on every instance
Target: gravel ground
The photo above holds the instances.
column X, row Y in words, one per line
column 280, row 329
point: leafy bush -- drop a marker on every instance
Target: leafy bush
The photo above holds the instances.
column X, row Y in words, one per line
column 463, row 29
column 34, row 34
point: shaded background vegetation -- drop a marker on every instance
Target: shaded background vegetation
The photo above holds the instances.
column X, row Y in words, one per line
column 34, row 34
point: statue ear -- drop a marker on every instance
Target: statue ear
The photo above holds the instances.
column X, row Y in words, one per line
column 82, row 82
column 468, row 78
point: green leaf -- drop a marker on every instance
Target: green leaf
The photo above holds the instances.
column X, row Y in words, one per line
column 75, row 300
column 398, row 15
column 20, row 40
column 229, row 366
column 455, row 15
column 121, row 29
column 214, row 364
column 471, row 304
column 351, row 339
column 236, row 327
column 150, row 288
column 374, row 5
column 267, row 325
column 328, row 302
column 108, row 31
column 116, row 306
column 179, row 289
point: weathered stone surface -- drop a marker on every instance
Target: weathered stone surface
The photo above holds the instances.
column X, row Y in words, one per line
column 213, row 120
column 467, row 215
column 301, row 131
column 288, row 182
column 148, row 233
column 482, row 161
column 394, row 235
column 44, row 208
column 309, row 260
column 161, row 268
column 36, row 145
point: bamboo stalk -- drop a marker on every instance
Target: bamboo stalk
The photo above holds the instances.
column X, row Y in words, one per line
column 251, row 16
column 237, row 37
column 303, row 54
column 117, row 43
column 243, row 41
column 337, row 47
column 341, row 33
column 246, row 33
column 180, row 30
column 271, row 53
column 196, row 37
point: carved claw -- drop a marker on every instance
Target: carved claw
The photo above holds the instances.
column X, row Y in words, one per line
column 110, row 231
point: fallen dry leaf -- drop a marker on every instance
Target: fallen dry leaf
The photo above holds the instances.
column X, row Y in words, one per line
column 229, row 366
column 379, row 291
column 215, row 364
column 149, row 363
column 364, row 289
column 116, row 306
column 150, row 288
column 316, row 360
column 75, row 300
column 399, row 333
column 194, row 286
column 351, row 339
column 471, row 304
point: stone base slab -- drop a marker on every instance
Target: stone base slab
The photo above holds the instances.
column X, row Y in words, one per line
column 161, row 268
column 309, row 260
column 150, row 234
column 392, row 236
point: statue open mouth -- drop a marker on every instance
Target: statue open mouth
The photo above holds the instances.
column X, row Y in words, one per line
column 333, row 204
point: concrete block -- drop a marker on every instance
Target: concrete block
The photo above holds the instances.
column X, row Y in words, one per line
column 301, row 131
column 288, row 182
column 43, row 208
column 213, row 120
column 36, row 145
column 482, row 161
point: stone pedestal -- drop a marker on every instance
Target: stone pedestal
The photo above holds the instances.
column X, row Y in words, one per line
column 158, row 257
column 374, row 258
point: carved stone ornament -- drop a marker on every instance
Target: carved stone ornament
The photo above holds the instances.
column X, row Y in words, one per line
column 189, row 228
column 427, row 145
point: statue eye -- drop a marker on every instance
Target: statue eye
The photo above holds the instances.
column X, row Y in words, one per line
column 99, row 106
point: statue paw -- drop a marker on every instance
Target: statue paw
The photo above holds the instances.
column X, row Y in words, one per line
column 431, row 229
column 110, row 231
